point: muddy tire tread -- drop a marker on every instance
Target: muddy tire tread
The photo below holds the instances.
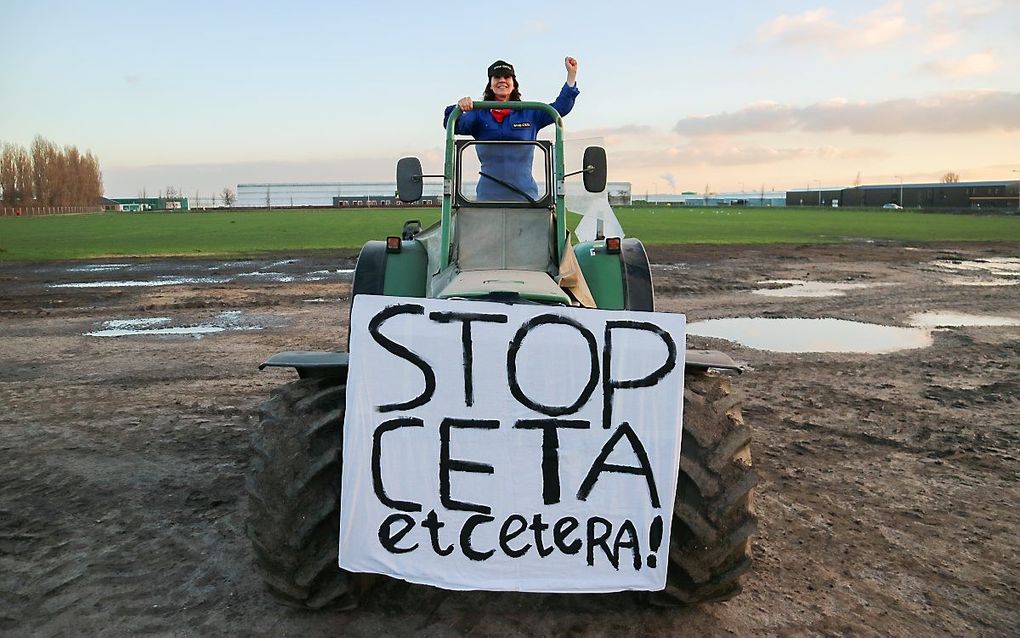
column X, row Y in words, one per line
column 293, row 495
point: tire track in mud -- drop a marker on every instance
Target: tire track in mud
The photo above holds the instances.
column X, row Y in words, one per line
column 95, row 530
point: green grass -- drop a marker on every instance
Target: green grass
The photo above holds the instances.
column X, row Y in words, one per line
column 246, row 233
column 660, row 225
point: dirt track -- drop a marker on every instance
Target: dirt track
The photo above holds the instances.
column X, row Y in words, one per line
column 887, row 502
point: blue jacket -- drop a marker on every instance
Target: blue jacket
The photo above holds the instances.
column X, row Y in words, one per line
column 510, row 164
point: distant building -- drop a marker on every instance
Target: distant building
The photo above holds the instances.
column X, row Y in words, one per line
column 140, row 204
column 995, row 195
column 362, row 194
column 736, row 198
column 341, row 194
column 109, row 204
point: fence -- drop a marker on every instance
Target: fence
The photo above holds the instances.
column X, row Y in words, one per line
column 19, row 211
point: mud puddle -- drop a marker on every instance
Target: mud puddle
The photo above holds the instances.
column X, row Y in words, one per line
column 160, row 326
column 959, row 320
column 812, row 335
column 839, row 335
column 801, row 288
column 256, row 276
column 992, row 271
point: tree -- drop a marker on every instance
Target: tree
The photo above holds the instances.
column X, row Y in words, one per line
column 950, row 178
column 12, row 189
column 49, row 176
column 857, row 180
column 228, row 196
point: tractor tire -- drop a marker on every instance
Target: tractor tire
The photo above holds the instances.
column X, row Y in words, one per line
column 713, row 515
column 294, row 495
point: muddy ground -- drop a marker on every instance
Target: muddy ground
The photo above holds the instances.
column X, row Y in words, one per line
column 888, row 488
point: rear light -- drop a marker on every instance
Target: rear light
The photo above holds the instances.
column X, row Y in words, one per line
column 613, row 245
column 393, row 244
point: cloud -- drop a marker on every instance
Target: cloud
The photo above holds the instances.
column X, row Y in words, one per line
column 981, row 63
column 133, row 79
column 961, row 13
column 956, row 112
column 817, row 28
column 720, row 154
column 669, row 179
column 940, row 40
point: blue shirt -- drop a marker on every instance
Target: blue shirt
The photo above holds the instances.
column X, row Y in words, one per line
column 512, row 164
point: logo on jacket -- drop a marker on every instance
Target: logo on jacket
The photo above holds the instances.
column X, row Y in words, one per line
column 522, row 124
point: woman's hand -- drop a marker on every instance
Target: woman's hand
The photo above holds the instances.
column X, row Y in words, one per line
column 571, row 65
column 466, row 103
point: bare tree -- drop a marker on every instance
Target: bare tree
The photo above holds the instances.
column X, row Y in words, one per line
column 228, row 196
column 8, row 175
column 49, row 176
column 857, row 180
column 950, row 178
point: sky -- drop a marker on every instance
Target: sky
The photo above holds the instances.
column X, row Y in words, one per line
column 685, row 96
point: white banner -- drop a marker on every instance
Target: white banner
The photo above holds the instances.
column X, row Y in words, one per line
column 511, row 447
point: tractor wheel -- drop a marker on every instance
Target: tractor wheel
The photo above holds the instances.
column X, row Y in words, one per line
column 294, row 495
column 713, row 517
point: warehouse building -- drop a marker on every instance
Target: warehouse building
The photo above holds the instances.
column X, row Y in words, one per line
column 736, row 198
column 995, row 195
column 141, row 204
column 361, row 194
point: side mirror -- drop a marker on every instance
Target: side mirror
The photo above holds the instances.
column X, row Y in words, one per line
column 594, row 169
column 409, row 182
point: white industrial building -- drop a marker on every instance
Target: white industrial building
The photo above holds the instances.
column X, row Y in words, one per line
column 328, row 194
column 736, row 198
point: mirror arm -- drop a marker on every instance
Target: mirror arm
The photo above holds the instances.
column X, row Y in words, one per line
column 418, row 178
column 586, row 169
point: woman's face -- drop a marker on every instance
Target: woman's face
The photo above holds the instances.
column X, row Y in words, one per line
column 501, row 87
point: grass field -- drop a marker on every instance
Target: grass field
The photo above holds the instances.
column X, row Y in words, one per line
column 245, row 233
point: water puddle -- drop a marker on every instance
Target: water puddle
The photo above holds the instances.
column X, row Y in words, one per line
column 97, row 267
column 993, row 271
column 144, row 283
column 152, row 326
column 258, row 275
column 812, row 335
column 800, row 288
column 959, row 320
column 671, row 267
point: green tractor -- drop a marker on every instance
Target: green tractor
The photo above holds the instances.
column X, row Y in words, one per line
column 512, row 249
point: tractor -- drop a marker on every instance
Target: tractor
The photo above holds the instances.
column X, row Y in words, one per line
column 512, row 247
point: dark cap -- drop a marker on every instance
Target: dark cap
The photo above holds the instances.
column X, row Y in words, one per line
column 502, row 69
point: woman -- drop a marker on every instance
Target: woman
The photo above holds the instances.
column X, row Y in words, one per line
column 512, row 165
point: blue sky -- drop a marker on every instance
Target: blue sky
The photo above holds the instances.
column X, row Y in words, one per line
column 728, row 95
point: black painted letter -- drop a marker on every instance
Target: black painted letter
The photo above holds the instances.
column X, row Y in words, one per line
column 465, row 337
column 515, row 348
column 377, row 482
column 610, row 385
column 600, row 465
column 388, row 539
column 447, row 465
column 550, row 452
column 401, row 351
